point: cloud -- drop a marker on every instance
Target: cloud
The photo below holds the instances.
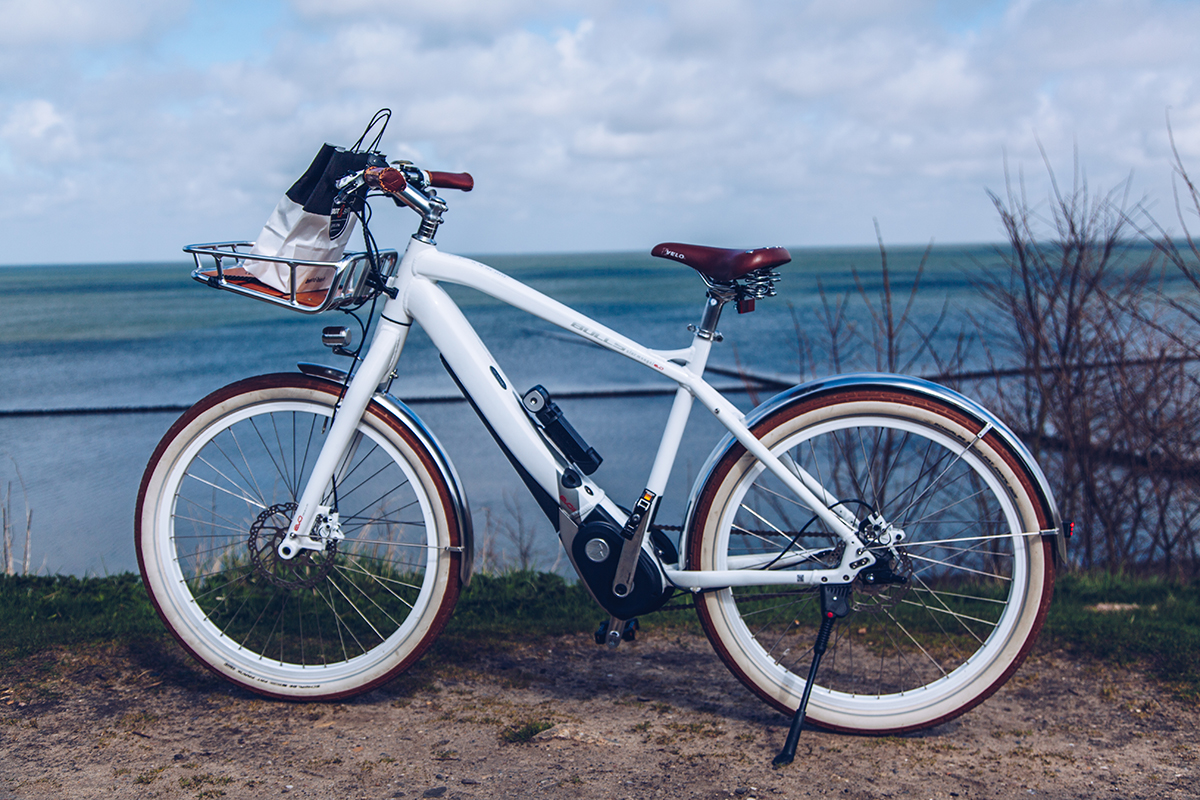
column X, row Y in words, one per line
column 596, row 125
column 56, row 23
column 37, row 133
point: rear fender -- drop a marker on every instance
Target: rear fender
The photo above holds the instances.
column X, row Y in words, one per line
column 904, row 383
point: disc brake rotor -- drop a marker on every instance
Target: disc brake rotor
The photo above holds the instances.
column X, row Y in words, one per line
column 306, row 570
column 882, row 585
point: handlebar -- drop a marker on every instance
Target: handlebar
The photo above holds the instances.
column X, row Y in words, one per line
column 393, row 181
column 411, row 186
column 407, row 185
column 452, row 180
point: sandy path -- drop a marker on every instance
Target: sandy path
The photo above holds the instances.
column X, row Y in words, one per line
column 657, row 718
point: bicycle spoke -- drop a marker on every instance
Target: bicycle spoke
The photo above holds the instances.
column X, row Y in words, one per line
column 932, row 610
column 357, row 611
column 264, row 449
column 915, row 643
column 340, row 626
column 365, row 521
column 955, row 460
column 378, row 607
column 959, row 567
column 386, row 584
column 957, row 615
column 202, row 523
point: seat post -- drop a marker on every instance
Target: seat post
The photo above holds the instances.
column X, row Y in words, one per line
column 717, row 296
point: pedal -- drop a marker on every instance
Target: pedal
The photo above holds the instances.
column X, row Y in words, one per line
column 613, row 634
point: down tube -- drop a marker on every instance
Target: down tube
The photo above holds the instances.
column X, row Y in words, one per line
column 485, row 385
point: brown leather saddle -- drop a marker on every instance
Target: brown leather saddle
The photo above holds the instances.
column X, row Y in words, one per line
column 720, row 264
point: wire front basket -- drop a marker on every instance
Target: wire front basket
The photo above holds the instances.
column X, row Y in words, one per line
column 222, row 265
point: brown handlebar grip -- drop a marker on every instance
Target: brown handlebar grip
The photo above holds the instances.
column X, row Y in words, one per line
column 452, row 180
column 386, row 178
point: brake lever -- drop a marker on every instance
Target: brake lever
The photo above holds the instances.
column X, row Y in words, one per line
column 348, row 185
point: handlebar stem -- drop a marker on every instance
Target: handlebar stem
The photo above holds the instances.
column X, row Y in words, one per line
column 426, row 203
column 413, row 187
column 431, row 218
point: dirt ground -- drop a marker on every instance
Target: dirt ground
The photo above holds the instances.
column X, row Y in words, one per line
column 659, row 717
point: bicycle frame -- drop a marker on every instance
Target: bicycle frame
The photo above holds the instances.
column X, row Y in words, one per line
column 420, row 299
column 930, row 504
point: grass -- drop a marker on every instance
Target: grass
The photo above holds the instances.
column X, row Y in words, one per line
column 516, row 604
column 1157, row 626
column 523, row 732
column 1156, row 623
column 39, row 612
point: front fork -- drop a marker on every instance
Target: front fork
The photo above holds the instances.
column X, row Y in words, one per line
column 314, row 508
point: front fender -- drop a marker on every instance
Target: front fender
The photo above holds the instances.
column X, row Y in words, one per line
column 877, row 380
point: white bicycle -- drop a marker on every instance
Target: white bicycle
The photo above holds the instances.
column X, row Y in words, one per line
column 305, row 536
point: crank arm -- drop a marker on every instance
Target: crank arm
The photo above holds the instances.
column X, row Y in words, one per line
column 634, row 534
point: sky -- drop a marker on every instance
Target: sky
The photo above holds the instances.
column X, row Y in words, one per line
column 129, row 128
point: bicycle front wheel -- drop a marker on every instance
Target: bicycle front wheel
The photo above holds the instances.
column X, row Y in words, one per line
column 218, row 496
column 935, row 628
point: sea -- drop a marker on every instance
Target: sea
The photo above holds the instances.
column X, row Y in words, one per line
column 99, row 359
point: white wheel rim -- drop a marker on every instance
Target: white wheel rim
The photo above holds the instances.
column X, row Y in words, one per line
column 243, row 664
column 858, row 709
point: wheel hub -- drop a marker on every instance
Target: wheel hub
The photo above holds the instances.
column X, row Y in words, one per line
column 307, row 569
column 881, row 585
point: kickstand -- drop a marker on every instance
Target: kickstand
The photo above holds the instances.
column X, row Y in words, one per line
column 835, row 604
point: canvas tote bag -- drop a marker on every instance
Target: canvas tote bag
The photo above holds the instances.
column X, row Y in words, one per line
column 308, row 225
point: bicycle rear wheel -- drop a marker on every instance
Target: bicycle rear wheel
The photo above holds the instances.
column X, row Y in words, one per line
column 933, row 633
column 218, row 495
